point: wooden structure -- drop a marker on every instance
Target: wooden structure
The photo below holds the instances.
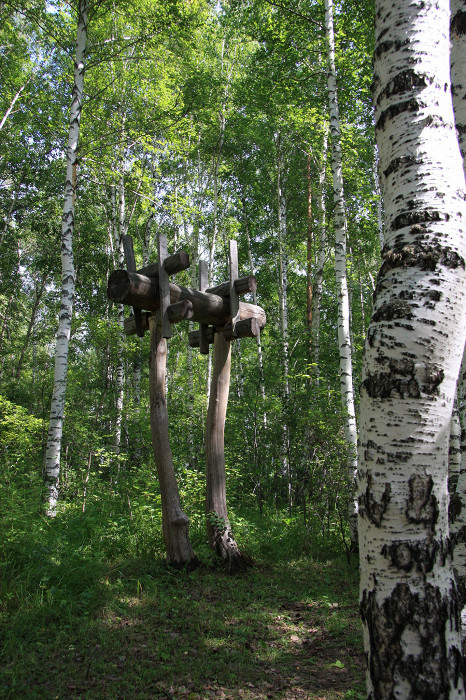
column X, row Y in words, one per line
column 157, row 304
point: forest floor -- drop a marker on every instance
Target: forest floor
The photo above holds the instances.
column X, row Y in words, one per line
column 137, row 629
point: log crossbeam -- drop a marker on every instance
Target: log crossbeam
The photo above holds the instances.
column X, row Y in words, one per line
column 216, row 309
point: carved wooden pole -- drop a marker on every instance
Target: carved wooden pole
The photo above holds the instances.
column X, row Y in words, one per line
column 219, row 532
column 175, row 523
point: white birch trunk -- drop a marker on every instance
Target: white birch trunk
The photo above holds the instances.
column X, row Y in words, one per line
column 120, row 363
column 344, row 336
column 283, row 297
column 409, row 600
column 318, row 278
column 457, row 508
column 458, row 89
column 55, row 430
column 260, row 361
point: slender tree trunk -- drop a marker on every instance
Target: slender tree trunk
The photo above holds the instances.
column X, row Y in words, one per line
column 55, row 431
column 13, row 102
column 309, row 252
column 218, row 526
column 260, row 361
column 344, row 337
column 120, row 363
column 283, row 296
column 409, row 599
column 38, row 296
column 322, row 228
column 175, row 522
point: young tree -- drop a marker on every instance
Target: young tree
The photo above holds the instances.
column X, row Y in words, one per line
column 344, row 337
column 409, row 599
column 54, row 436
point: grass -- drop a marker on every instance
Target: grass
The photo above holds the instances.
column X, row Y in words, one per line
column 77, row 624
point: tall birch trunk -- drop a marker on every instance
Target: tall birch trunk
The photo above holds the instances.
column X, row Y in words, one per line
column 283, row 296
column 458, row 89
column 319, row 274
column 120, row 362
column 344, row 336
column 57, row 408
column 260, row 362
column 409, row 599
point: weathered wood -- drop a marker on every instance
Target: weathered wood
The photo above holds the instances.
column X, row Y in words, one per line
column 143, row 292
column 243, row 285
column 181, row 311
column 140, row 291
column 194, row 337
column 131, row 267
column 219, row 532
column 203, row 278
column 172, row 264
column 248, row 328
column 129, row 253
column 234, row 299
column 175, row 523
column 133, row 289
column 130, row 323
column 164, row 285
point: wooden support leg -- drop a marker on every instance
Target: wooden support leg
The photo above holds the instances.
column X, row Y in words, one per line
column 175, row 522
column 218, row 526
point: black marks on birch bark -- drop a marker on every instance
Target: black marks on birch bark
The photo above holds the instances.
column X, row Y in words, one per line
column 426, row 257
column 418, row 557
column 413, row 105
column 458, row 24
column 454, row 508
column 403, row 162
column 402, row 616
column 408, row 81
column 404, row 380
column 369, row 507
column 422, row 505
column 390, row 310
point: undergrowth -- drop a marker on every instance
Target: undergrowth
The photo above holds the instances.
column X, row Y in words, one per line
column 89, row 609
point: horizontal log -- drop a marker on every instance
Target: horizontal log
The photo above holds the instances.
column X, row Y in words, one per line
column 181, row 311
column 248, row 328
column 173, row 264
column 194, row 337
column 130, row 323
column 143, row 292
column 243, row 285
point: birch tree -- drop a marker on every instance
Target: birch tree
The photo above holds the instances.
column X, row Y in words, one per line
column 344, row 337
column 57, row 408
column 409, row 599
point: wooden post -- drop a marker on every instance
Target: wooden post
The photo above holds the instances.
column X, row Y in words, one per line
column 164, row 284
column 218, row 526
column 234, row 300
column 131, row 267
column 175, row 523
column 203, row 327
